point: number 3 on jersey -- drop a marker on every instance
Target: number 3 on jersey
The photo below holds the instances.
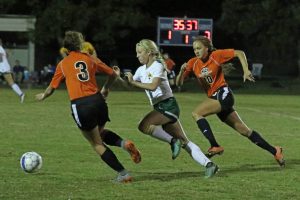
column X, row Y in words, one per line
column 84, row 73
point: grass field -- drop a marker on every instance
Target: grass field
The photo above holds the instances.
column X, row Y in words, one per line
column 71, row 169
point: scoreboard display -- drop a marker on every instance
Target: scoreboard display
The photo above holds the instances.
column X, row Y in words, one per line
column 174, row 31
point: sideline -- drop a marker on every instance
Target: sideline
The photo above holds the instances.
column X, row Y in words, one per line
column 271, row 113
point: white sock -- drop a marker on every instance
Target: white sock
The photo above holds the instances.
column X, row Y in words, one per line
column 196, row 153
column 17, row 90
column 162, row 135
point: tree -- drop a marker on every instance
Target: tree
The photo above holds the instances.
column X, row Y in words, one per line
column 103, row 22
column 268, row 30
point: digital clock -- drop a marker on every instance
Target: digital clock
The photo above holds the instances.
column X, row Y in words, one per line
column 185, row 25
column 172, row 31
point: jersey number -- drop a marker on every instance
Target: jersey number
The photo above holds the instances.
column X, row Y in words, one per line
column 84, row 73
column 208, row 79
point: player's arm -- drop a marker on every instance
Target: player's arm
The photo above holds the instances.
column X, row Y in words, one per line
column 242, row 57
column 120, row 77
column 48, row 92
column 57, row 78
column 180, row 77
column 109, row 81
column 147, row 86
column 111, row 75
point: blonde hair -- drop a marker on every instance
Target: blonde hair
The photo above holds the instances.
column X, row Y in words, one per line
column 150, row 47
column 63, row 51
column 88, row 48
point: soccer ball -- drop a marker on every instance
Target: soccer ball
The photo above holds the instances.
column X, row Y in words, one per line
column 31, row 162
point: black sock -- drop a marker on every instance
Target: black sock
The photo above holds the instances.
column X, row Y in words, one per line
column 207, row 132
column 259, row 141
column 111, row 160
column 111, row 138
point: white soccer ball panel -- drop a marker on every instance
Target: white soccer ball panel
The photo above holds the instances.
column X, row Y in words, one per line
column 31, row 162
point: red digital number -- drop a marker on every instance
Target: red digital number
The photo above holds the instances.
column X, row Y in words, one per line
column 169, row 34
column 195, row 24
column 207, row 34
column 178, row 24
column 191, row 25
column 186, row 39
column 188, row 25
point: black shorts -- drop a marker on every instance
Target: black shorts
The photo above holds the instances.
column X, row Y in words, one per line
column 225, row 97
column 171, row 75
column 90, row 111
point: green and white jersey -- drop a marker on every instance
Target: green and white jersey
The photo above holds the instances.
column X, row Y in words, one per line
column 146, row 75
column 4, row 65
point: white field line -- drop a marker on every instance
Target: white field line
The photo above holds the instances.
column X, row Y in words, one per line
column 272, row 113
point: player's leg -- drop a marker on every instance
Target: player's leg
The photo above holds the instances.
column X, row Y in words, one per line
column 9, row 79
column 151, row 125
column 193, row 149
column 207, row 107
column 106, row 154
column 189, row 146
column 234, row 121
column 111, row 138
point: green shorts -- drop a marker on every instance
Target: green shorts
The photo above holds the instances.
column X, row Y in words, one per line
column 169, row 108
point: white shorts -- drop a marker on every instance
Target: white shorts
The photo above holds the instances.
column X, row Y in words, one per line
column 4, row 68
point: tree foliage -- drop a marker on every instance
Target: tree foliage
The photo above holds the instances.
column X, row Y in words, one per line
column 267, row 29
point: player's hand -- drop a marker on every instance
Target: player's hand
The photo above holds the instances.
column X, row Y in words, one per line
column 40, row 97
column 183, row 68
column 129, row 77
column 248, row 76
column 104, row 92
column 117, row 70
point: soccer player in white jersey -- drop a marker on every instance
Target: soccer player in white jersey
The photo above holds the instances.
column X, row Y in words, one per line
column 163, row 121
column 6, row 71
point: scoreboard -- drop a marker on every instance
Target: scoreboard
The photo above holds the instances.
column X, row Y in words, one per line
column 174, row 31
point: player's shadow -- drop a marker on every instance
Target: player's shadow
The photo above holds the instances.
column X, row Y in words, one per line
column 223, row 172
column 166, row 176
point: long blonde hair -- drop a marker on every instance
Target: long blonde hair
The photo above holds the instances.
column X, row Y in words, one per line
column 88, row 48
column 150, row 47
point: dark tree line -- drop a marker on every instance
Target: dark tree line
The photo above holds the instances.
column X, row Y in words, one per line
column 267, row 30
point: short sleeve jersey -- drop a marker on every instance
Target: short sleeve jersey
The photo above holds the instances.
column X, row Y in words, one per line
column 4, row 65
column 79, row 71
column 170, row 64
column 216, row 79
column 146, row 75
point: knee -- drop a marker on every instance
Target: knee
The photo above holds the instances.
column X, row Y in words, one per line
column 146, row 128
column 196, row 116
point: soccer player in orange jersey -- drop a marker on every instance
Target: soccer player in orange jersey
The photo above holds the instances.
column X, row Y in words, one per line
column 207, row 67
column 88, row 105
column 108, row 136
column 170, row 66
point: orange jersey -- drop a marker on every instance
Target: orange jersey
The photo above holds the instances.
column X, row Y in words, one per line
column 170, row 64
column 79, row 69
column 216, row 79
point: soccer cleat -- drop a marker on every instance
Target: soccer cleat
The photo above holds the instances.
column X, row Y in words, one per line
column 279, row 156
column 175, row 147
column 133, row 151
column 124, row 178
column 22, row 97
column 212, row 151
column 211, row 169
